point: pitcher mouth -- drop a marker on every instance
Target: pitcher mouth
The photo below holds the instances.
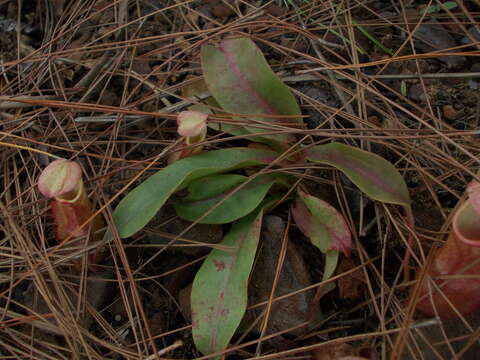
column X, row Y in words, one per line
column 466, row 224
column 73, row 195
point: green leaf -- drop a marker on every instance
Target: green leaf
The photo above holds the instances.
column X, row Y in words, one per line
column 325, row 227
column 143, row 202
column 233, row 207
column 219, row 292
column 373, row 39
column 374, row 175
column 199, row 88
column 345, row 39
column 429, row 9
column 403, row 88
column 331, row 261
column 449, row 5
column 322, row 224
column 242, row 82
column 212, row 185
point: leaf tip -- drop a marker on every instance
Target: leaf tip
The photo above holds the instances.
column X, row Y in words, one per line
column 322, row 223
column 342, row 244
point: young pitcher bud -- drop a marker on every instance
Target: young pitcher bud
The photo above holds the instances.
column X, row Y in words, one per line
column 192, row 126
column 62, row 182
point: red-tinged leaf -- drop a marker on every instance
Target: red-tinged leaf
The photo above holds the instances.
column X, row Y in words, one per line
column 322, row 223
column 219, row 292
column 374, row 175
column 242, row 82
column 198, row 88
column 194, row 88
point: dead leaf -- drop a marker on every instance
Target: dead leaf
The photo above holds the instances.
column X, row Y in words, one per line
column 294, row 275
column 57, row 5
column 350, row 285
column 223, row 10
column 141, row 66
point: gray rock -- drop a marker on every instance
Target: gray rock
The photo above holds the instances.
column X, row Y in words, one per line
column 416, row 93
column 294, row 275
column 434, row 37
column 320, row 95
column 285, row 313
column 474, row 34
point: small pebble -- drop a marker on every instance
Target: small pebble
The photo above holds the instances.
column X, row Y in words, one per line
column 416, row 93
column 222, row 10
column 276, row 10
column 449, row 112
